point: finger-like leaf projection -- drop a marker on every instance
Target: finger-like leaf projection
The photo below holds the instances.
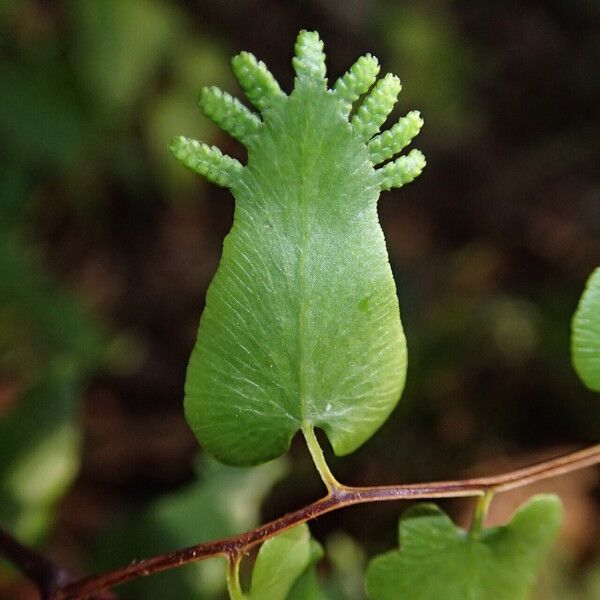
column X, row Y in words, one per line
column 301, row 326
column 439, row 560
column 585, row 340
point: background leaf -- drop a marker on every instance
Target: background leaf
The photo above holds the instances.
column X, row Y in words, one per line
column 585, row 340
column 281, row 561
column 308, row 587
column 439, row 560
column 115, row 59
column 39, row 453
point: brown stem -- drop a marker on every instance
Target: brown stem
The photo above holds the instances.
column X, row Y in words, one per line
column 339, row 497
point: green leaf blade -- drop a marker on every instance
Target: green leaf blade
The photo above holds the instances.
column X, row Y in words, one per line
column 301, row 326
column 439, row 560
column 295, row 329
column 585, row 339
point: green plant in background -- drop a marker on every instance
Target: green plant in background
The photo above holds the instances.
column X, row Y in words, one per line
column 301, row 330
column 439, row 560
column 586, row 334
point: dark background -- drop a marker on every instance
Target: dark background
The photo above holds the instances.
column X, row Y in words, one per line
column 107, row 246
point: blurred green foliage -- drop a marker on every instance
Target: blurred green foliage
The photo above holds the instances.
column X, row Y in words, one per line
column 437, row 65
column 39, row 453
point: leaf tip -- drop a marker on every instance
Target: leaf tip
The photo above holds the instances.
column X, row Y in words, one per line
column 309, row 61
